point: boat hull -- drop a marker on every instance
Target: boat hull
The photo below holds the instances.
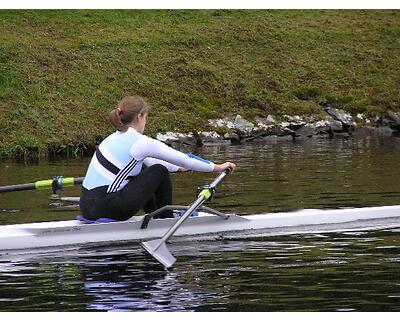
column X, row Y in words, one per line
column 61, row 233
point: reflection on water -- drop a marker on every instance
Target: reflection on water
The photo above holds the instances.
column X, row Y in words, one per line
column 310, row 272
column 271, row 177
column 347, row 271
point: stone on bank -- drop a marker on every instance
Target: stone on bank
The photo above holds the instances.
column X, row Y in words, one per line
column 240, row 130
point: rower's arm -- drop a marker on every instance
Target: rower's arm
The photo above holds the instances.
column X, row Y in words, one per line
column 152, row 161
column 152, row 148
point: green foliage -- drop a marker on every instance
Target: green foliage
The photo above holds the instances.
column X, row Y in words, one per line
column 62, row 71
column 24, row 147
column 305, row 93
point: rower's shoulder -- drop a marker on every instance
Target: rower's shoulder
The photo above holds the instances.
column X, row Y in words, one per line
column 129, row 135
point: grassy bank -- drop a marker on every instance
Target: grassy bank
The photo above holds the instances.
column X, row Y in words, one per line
column 62, row 71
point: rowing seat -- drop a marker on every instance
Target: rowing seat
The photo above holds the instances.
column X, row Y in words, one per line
column 100, row 220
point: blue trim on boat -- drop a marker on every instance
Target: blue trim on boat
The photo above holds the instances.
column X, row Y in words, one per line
column 180, row 213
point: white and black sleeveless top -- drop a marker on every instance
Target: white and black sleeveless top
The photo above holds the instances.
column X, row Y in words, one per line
column 122, row 154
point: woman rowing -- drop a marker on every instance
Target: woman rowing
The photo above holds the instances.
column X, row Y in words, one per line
column 130, row 171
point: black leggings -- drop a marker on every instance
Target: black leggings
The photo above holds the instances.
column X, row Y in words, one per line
column 150, row 190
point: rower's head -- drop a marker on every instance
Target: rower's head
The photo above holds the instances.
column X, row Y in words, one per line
column 131, row 111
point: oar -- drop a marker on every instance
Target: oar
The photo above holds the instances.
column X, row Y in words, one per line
column 158, row 248
column 57, row 183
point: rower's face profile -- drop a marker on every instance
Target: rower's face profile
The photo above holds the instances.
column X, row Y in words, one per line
column 141, row 122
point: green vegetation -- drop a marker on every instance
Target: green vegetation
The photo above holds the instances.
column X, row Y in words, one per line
column 62, row 71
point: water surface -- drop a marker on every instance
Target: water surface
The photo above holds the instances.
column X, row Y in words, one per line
column 354, row 270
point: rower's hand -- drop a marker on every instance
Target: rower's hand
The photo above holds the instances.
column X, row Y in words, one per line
column 222, row 167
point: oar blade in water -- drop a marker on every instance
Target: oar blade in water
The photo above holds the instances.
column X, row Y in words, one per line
column 159, row 250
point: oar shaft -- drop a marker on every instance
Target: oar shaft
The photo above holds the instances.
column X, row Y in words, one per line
column 189, row 211
column 17, row 187
column 43, row 184
column 218, row 179
column 203, row 196
column 157, row 248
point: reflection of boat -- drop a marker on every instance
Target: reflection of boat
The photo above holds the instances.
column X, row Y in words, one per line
column 50, row 234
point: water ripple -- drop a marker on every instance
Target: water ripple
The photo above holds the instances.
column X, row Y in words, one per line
column 342, row 271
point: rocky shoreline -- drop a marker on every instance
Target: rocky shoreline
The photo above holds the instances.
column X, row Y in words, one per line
column 237, row 130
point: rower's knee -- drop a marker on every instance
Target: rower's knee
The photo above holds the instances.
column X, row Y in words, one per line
column 160, row 169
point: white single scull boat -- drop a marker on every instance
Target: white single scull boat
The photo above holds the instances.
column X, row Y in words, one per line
column 74, row 232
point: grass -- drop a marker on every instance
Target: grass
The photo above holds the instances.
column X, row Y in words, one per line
column 62, row 71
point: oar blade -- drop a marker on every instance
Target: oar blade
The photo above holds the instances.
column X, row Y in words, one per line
column 159, row 250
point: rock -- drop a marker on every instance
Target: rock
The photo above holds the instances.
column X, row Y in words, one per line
column 394, row 122
column 360, row 116
column 232, row 137
column 237, row 124
column 218, row 122
column 168, row 136
column 345, row 118
column 211, row 138
column 293, row 122
column 395, row 116
column 267, row 122
column 321, row 127
column 270, row 119
column 174, row 138
column 225, row 122
column 362, row 119
column 329, row 126
column 281, row 129
column 242, row 125
column 294, row 119
column 285, row 124
column 336, row 126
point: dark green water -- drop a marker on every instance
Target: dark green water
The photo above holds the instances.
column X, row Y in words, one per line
column 357, row 270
